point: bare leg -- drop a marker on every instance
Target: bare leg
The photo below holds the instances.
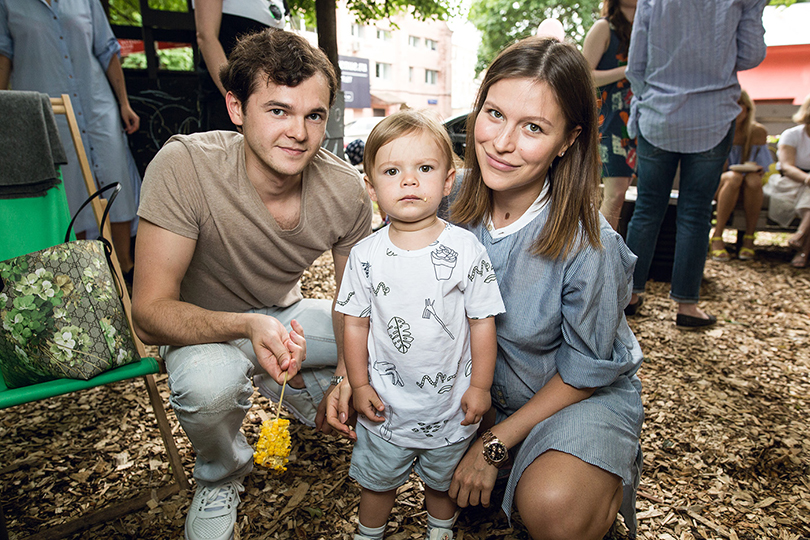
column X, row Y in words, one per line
column 613, row 198
column 752, row 201
column 375, row 507
column 692, row 310
column 802, row 257
column 439, row 504
column 561, row 497
column 797, row 240
column 727, row 195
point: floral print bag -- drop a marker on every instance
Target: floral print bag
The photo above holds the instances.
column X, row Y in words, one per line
column 61, row 313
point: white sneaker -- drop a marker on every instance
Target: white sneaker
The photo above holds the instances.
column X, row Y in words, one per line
column 212, row 514
column 296, row 400
column 441, row 534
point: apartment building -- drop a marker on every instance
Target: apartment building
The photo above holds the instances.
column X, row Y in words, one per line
column 409, row 63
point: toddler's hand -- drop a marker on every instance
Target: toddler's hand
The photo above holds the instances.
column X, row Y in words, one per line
column 368, row 403
column 475, row 403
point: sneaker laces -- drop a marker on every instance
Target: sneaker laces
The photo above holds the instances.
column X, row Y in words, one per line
column 219, row 500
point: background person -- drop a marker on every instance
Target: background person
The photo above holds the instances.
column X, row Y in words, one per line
column 750, row 147
column 789, row 191
column 230, row 222
column 421, row 392
column 683, row 63
column 219, row 24
column 605, row 49
column 67, row 47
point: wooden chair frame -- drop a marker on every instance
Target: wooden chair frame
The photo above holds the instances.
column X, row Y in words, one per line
column 63, row 105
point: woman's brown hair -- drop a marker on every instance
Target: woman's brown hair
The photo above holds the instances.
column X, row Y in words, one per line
column 611, row 10
column 573, row 178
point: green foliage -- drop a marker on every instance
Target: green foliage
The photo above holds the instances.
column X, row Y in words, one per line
column 366, row 11
column 502, row 22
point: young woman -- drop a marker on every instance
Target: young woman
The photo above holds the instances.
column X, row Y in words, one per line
column 567, row 402
column 750, row 149
column 789, row 191
column 605, row 49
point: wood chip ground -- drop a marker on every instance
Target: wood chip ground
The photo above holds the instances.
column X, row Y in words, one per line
column 726, row 439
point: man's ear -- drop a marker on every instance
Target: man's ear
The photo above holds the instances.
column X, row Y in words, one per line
column 234, row 109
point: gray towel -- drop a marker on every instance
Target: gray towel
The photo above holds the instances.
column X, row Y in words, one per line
column 30, row 147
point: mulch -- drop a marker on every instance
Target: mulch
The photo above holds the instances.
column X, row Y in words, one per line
column 726, row 439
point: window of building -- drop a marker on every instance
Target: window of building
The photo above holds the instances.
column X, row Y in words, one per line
column 431, row 76
column 358, row 30
column 383, row 71
column 413, row 41
column 431, row 44
column 410, row 74
column 384, row 35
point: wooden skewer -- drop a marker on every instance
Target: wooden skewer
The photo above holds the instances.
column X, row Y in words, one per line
column 281, row 397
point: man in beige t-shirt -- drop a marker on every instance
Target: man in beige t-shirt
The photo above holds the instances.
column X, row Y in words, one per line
column 229, row 223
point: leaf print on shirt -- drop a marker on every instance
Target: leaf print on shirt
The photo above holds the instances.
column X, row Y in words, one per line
column 400, row 333
column 430, row 310
column 387, row 368
column 390, row 253
column 366, row 268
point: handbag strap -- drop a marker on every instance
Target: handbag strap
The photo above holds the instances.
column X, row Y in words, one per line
column 116, row 187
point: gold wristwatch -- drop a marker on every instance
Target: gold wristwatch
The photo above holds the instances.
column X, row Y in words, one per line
column 495, row 451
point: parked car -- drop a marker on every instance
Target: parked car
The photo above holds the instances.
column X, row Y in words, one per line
column 359, row 129
column 457, row 128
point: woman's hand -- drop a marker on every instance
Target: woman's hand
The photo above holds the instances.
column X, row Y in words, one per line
column 130, row 118
column 474, row 478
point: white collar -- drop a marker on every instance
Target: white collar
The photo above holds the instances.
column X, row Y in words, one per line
column 527, row 217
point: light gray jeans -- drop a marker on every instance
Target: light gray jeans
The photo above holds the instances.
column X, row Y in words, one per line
column 211, row 386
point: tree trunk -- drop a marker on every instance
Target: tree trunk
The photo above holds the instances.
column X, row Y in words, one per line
column 327, row 30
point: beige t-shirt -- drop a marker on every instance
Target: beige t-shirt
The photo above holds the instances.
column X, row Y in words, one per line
column 197, row 187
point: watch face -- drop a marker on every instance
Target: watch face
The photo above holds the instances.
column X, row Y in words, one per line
column 496, row 452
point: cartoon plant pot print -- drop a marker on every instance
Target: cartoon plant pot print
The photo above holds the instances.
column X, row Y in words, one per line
column 444, row 261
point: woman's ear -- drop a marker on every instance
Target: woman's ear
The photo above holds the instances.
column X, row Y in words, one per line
column 572, row 136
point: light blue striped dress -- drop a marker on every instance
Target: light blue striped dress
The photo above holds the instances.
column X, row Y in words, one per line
column 567, row 316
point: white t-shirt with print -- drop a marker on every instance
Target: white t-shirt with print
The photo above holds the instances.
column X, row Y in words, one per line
column 419, row 339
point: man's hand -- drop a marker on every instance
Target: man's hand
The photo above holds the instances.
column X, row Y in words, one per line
column 339, row 413
column 277, row 350
column 475, row 403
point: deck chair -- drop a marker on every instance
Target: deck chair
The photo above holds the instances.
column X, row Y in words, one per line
column 146, row 367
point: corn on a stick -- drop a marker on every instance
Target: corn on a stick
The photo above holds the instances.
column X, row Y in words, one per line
column 273, row 447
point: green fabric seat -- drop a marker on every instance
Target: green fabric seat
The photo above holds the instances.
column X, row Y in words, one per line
column 17, row 396
column 33, row 223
